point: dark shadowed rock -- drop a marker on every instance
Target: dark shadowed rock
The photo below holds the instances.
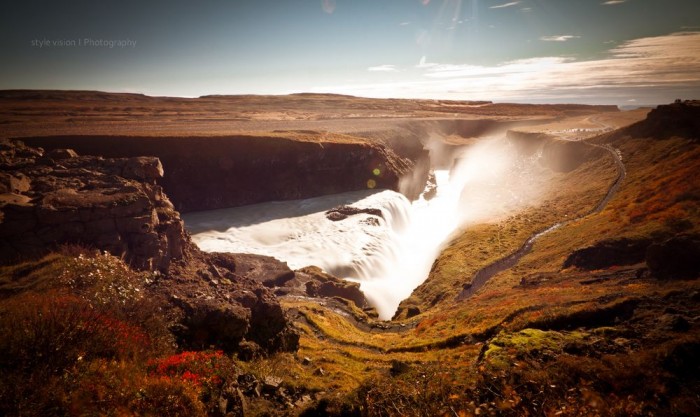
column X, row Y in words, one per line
column 683, row 359
column 398, row 368
column 412, row 312
column 210, row 277
column 343, row 212
column 681, row 119
column 213, row 323
column 204, row 173
column 264, row 269
column 675, row 258
column 609, row 253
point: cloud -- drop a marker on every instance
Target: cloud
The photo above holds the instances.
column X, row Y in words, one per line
column 423, row 64
column 404, row 23
column 503, row 6
column 613, row 2
column 558, row 38
column 383, row 68
column 646, row 69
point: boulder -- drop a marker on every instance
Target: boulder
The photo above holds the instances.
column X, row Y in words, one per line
column 144, row 168
column 213, row 323
column 264, row 269
column 320, row 284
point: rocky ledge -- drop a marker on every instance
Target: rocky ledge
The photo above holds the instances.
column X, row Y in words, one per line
column 111, row 204
column 114, row 205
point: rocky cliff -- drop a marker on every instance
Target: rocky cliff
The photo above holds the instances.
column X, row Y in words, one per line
column 113, row 205
column 207, row 173
column 681, row 119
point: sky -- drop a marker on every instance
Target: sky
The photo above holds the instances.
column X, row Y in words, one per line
column 622, row 52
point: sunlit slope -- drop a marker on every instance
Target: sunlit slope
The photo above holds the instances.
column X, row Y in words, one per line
column 540, row 337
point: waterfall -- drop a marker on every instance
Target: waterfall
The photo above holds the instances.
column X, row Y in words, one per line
column 389, row 255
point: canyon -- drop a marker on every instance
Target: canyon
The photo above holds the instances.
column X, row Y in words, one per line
column 107, row 176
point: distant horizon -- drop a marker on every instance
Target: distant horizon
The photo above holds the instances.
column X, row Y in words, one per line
column 626, row 105
column 621, row 52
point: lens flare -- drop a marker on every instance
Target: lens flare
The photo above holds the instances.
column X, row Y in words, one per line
column 371, row 184
column 328, row 6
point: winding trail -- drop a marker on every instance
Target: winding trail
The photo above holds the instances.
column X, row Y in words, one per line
column 483, row 275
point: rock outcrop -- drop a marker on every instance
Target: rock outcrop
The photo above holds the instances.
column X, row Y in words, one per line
column 343, row 212
column 226, row 309
column 680, row 119
column 676, row 257
column 609, row 253
column 111, row 204
column 206, row 173
column 310, row 281
column 114, row 205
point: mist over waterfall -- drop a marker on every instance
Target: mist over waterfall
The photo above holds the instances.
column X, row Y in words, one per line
column 389, row 255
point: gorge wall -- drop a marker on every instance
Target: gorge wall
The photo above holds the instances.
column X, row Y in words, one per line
column 207, row 173
column 557, row 155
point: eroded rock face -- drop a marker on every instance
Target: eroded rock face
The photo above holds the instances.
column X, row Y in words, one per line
column 224, row 308
column 276, row 276
column 110, row 204
column 205, row 173
column 114, row 205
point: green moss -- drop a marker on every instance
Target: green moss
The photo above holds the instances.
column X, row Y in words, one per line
column 507, row 347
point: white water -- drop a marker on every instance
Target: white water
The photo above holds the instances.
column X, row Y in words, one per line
column 391, row 259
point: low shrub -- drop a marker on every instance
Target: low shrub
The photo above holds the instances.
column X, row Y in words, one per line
column 54, row 330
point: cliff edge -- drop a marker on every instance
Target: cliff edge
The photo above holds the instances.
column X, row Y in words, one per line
column 114, row 205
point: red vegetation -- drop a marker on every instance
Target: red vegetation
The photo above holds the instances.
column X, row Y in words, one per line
column 195, row 367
